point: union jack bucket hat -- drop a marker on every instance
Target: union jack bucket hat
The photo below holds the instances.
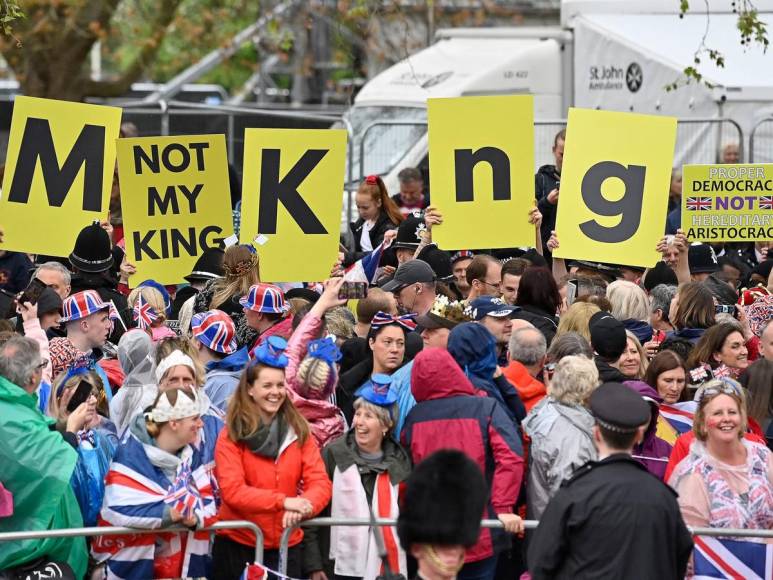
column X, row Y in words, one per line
column 215, row 330
column 83, row 304
column 265, row 298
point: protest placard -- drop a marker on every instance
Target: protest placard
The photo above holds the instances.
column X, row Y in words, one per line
column 482, row 166
column 292, row 194
column 175, row 201
column 58, row 173
column 727, row 203
column 614, row 186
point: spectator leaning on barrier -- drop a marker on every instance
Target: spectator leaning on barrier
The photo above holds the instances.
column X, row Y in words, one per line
column 268, row 467
column 612, row 518
column 366, row 467
column 446, row 408
column 37, row 463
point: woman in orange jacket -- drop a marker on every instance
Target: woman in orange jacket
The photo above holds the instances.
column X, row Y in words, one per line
column 268, row 467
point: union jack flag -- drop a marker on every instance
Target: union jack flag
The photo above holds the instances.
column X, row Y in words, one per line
column 766, row 202
column 736, row 559
column 144, row 314
column 366, row 268
column 679, row 415
column 184, row 496
column 698, row 203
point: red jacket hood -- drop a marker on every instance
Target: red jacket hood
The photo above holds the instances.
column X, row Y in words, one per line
column 436, row 375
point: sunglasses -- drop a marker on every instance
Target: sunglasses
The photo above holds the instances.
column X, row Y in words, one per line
column 714, row 390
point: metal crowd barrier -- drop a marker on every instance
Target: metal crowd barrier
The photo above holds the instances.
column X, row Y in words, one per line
column 119, row 531
column 761, row 142
column 528, row 524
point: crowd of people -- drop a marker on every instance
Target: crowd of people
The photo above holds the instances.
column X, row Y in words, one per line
column 615, row 404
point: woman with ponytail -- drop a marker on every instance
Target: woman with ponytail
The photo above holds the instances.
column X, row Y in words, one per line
column 378, row 214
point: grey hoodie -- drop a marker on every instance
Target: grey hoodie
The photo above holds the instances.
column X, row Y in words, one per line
column 561, row 441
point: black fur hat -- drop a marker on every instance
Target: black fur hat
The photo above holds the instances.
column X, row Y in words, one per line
column 444, row 501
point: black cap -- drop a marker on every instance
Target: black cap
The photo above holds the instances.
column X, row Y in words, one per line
column 208, row 267
column 439, row 261
column 445, row 496
column 618, row 408
column 49, row 301
column 661, row 273
column 306, row 294
column 607, row 335
column 408, row 232
column 92, row 252
column 702, row 259
column 410, row 273
column 606, row 270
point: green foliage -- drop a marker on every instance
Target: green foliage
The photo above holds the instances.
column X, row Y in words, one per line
column 10, row 11
column 752, row 31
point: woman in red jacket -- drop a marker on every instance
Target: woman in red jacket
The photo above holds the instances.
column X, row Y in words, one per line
column 262, row 456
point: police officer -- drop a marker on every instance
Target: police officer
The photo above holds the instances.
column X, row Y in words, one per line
column 612, row 519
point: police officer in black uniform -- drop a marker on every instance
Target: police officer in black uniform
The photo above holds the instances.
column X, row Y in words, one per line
column 612, row 518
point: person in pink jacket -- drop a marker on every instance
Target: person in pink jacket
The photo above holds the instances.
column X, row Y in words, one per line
column 312, row 373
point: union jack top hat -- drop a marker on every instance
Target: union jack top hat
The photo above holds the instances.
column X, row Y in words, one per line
column 82, row 304
column 215, row 330
column 265, row 298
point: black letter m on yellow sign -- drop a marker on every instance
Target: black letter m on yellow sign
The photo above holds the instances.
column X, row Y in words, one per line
column 38, row 143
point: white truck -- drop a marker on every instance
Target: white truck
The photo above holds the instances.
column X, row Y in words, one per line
column 607, row 54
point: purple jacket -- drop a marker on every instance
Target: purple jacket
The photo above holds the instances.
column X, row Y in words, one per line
column 652, row 446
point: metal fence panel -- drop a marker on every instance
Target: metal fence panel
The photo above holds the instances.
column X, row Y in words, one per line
column 761, row 142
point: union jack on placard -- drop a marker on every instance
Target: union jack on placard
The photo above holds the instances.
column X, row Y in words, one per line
column 698, row 203
column 736, row 559
column 766, row 202
column 184, row 496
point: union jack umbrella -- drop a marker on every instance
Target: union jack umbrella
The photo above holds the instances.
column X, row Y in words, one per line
column 698, row 203
column 144, row 314
column 766, row 202
column 184, row 496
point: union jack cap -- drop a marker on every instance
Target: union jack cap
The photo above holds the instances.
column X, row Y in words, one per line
column 265, row 298
column 83, row 304
column 215, row 330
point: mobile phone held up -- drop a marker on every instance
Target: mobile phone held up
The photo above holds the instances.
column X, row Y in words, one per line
column 353, row 291
column 32, row 292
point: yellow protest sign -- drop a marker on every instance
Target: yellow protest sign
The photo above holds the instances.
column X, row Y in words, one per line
column 58, row 173
column 291, row 200
column 175, row 202
column 482, row 166
column 727, row 203
column 614, row 186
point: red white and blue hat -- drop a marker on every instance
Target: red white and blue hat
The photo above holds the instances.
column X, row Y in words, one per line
column 462, row 255
column 265, row 298
column 83, row 304
column 215, row 330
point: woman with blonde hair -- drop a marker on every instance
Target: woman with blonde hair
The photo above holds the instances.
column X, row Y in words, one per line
column 576, row 319
column 268, row 467
column 561, row 431
column 242, row 270
column 633, row 362
column 631, row 306
column 149, row 312
column 726, row 481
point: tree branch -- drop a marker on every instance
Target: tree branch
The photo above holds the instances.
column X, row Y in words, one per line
column 118, row 86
